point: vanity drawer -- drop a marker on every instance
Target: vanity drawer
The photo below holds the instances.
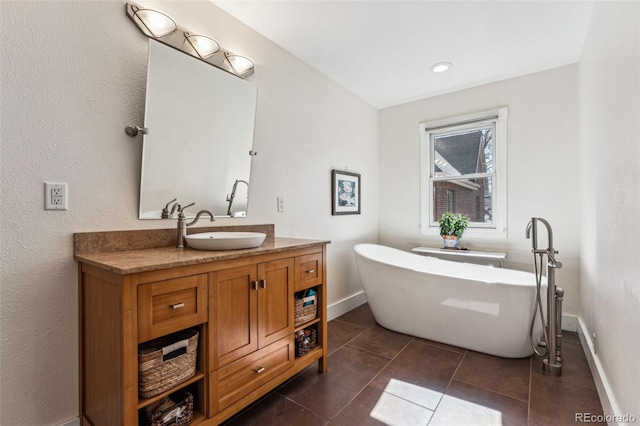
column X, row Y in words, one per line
column 172, row 305
column 308, row 271
column 233, row 381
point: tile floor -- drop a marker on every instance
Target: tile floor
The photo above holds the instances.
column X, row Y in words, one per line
column 379, row 377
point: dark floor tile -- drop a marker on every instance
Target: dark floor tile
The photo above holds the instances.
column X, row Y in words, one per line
column 575, row 367
column 421, row 369
column 381, row 341
column 364, row 387
column 358, row 412
column 554, row 402
column 570, row 336
column 350, row 369
column 440, row 345
column 506, row 376
column 276, row 410
column 361, row 315
column 340, row 332
column 464, row 404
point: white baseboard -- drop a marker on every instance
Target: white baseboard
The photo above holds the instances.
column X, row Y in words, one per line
column 345, row 305
column 613, row 415
column 570, row 323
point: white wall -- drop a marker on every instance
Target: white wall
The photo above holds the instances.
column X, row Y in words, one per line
column 73, row 76
column 542, row 167
column 609, row 82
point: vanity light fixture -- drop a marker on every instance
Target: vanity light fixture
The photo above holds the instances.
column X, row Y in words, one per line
column 441, row 67
column 240, row 64
column 152, row 22
column 161, row 27
column 203, row 45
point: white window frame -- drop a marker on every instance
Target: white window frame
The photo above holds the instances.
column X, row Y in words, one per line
column 498, row 118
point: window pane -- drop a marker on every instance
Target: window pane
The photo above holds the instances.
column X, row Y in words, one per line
column 463, row 153
column 471, row 197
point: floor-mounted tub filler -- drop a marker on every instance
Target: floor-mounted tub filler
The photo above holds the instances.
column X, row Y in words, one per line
column 552, row 326
column 471, row 306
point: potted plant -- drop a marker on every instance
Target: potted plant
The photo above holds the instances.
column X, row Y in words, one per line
column 452, row 226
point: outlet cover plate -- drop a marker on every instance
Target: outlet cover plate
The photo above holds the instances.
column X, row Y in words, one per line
column 55, row 196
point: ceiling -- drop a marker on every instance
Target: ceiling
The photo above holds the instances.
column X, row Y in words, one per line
column 382, row 50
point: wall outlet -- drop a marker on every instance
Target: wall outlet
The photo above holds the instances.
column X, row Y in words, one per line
column 281, row 205
column 55, row 196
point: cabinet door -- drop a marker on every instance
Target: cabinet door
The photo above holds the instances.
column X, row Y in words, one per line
column 233, row 315
column 275, row 300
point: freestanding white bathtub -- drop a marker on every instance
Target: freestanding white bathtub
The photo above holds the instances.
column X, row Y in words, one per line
column 472, row 306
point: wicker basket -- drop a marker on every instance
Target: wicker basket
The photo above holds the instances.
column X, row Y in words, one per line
column 174, row 410
column 305, row 313
column 166, row 362
column 305, row 341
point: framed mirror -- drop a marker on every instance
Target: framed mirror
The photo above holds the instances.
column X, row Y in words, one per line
column 198, row 148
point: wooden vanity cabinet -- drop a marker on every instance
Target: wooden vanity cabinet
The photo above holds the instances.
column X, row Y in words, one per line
column 243, row 308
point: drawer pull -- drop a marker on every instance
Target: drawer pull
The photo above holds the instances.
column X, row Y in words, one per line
column 311, row 271
column 259, row 370
column 177, row 306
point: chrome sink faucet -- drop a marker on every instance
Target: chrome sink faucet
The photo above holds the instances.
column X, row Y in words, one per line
column 232, row 196
column 182, row 224
column 166, row 214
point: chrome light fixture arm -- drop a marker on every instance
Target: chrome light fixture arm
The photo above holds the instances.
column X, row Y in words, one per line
column 161, row 27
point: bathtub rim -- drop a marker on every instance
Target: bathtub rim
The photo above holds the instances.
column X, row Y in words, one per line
column 453, row 266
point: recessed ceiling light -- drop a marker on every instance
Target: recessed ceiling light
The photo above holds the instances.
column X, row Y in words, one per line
column 441, row 67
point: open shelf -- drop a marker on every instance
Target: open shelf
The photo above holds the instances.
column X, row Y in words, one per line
column 306, row 325
column 143, row 402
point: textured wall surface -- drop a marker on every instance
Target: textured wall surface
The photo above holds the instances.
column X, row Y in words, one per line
column 73, row 76
column 609, row 76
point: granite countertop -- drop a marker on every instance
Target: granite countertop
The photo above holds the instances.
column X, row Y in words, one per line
column 150, row 259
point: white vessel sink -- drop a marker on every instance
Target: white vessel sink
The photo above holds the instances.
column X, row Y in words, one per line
column 225, row 240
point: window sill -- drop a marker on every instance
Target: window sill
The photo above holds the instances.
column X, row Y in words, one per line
column 470, row 232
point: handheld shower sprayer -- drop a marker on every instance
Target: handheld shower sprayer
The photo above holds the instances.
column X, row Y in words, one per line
column 552, row 327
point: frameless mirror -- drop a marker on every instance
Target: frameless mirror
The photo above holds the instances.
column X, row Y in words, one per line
column 200, row 123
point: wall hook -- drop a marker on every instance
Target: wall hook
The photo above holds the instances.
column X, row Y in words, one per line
column 132, row 130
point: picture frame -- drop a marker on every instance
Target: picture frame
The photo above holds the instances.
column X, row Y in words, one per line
column 345, row 192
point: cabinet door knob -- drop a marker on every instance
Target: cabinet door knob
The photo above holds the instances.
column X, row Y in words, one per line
column 263, row 283
column 177, row 306
column 311, row 271
column 259, row 370
column 254, row 284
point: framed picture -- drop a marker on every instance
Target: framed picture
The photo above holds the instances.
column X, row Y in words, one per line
column 345, row 192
